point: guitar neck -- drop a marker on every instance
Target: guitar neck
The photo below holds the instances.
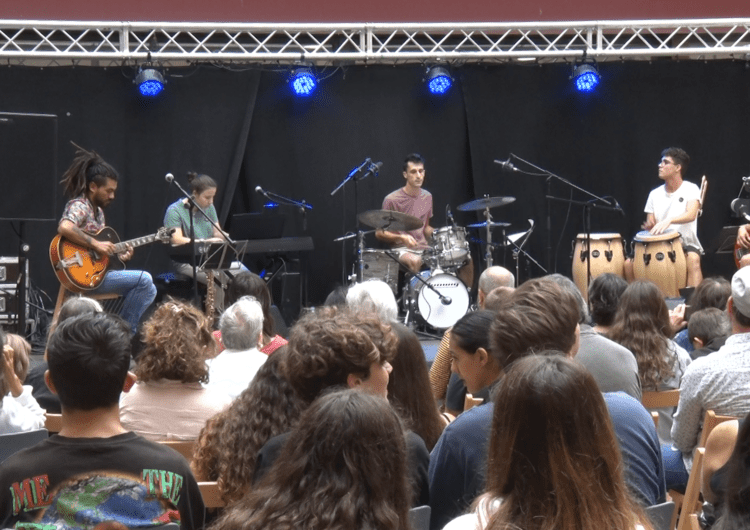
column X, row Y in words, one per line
column 122, row 246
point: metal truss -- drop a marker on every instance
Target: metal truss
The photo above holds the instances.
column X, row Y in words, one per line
column 172, row 44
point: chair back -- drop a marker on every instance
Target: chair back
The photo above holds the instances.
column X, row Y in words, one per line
column 184, row 447
column 660, row 515
column 419, row 517
column 14, row 442
column 711, row 420
column 661, row 399
column 53, row 422
column 690, row 503
column 470, row 402
column 211, row 494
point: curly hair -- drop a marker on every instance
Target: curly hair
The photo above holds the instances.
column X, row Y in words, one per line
column 409, row 388
column 228, row 445
column 344, row 468
column 327, row 345
column 177, row 341
column 642, row 325
column 553, row 456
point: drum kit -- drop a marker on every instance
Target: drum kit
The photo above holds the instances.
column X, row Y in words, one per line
column 435, row 296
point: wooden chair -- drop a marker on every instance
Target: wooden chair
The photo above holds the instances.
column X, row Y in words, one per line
column 211, row 494
column 655, row 417
column 64, row 293
column 694, row 523
column 661, row 399
column 710, row 421
column 691, row 501
column 53, row 422
column 470, row 402
column 185, row 447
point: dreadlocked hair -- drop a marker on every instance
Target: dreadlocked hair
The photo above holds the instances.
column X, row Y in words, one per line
column 87, row 166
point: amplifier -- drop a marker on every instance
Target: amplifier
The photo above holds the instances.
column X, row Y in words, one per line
column 10, row 269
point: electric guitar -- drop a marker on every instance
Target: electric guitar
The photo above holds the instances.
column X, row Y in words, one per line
column 82, row 269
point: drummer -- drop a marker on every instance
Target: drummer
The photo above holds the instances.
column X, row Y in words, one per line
column 413, row 200
column 674, row 206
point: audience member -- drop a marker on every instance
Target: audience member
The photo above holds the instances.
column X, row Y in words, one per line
column 642, row 325
column 409, row 388
column 76, row 305
column 553, row 458
column 346, row 469
column 497, row 297
column 249, row 284
column 375, row 297
column 711, row 292
column 440, row 371
column 19, row 411
column 613, row 366
column 241, row 327
column 708, row 330
column 718, row 382
column 333, row 348
column 168, row 402
column 605, row 292
column 229, row 443
column 88, row 359
column 337, row 297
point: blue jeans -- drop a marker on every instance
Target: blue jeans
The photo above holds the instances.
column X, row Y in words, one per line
column 674, row 467
column 138, row 289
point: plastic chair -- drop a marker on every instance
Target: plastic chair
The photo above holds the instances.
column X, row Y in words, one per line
column 14, row 442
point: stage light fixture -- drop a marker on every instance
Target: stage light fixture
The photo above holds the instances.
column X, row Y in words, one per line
column 585, row 77
column 439, row 80
column 150, row 82
column 303, row 82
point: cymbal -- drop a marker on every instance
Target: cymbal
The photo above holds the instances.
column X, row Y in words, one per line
column 389, row 219
column 485, row 202
column 492, row 225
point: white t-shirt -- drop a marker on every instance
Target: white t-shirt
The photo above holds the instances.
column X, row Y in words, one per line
column 667, row 205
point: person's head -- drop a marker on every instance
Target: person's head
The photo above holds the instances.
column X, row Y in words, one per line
column 470, row 350
column 738, row 305
column 228, row 445
column 344, row 468
column 177, row 341
column 708, row 324
column 711, row 292
column 642, row 325
column 605, row 292
column 375, row 297
column 497, row 297
column 331, row 347
column 674, row 161
column 78, row 305
column 241, row 324
column 202, row 188
column 91, row 176
column 409, row 388
column 539, row 316
column 553, row 455
column 337, row 297
column 88, row 357
column 21, row 352
column 568, row 285
column 490, row 279
column 248, row 283
column 736, row 503
column 414, row 170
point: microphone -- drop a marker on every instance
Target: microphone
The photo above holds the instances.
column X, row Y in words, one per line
column 449, row 214
column 260, row 190
column 741, row 208
column 506, row 165
column 618, row 207
column 374, row 170
column 445, row 300
column 359, row 167
column 169, row 177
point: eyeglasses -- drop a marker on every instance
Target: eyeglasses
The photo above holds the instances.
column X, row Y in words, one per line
column 666, row 162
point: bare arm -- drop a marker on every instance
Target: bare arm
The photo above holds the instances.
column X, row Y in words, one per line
column 428, row 231
column 70, row 231
column 9, row 374
column 691, row 212
column 650, row 222
column 719, row 447
column 395, row 239
column 743, row 237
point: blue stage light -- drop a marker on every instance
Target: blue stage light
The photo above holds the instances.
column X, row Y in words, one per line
column 586, row 77
column 150, row 82
column 439, row 81
column 303, row 82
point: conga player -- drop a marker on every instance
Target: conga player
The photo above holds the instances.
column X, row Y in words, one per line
column 675, row 206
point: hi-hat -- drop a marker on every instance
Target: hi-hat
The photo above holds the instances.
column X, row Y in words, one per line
column 486, row 202
column 493, row 224
column 389, row 220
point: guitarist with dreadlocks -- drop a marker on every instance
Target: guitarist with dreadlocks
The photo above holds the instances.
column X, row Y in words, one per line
column 90, row 182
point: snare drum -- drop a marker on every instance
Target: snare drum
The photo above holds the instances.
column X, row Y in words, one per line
column 377, row 265
column 451, row 246
column 660, row 258
column 440, row 314
column 607, row 255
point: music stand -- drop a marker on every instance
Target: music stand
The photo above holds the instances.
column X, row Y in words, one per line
column 219, row 256
column 723, row 242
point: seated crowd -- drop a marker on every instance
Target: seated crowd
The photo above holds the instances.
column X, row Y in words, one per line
column 529, row 418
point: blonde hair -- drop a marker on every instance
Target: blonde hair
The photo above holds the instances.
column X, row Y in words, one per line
column 21, row 351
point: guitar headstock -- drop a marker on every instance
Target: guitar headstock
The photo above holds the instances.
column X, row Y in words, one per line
column 164, row 234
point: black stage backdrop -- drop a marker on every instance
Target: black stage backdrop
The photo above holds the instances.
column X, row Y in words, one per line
column 244, row 129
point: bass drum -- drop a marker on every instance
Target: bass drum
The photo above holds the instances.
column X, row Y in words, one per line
column 440, row 314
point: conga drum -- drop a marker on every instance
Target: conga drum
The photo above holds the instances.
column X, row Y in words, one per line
column 660, row 258
column 607, row 255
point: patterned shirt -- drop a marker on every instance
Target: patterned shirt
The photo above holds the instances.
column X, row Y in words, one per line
column 419, row 206
column 81, row 213
column 719, row 382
